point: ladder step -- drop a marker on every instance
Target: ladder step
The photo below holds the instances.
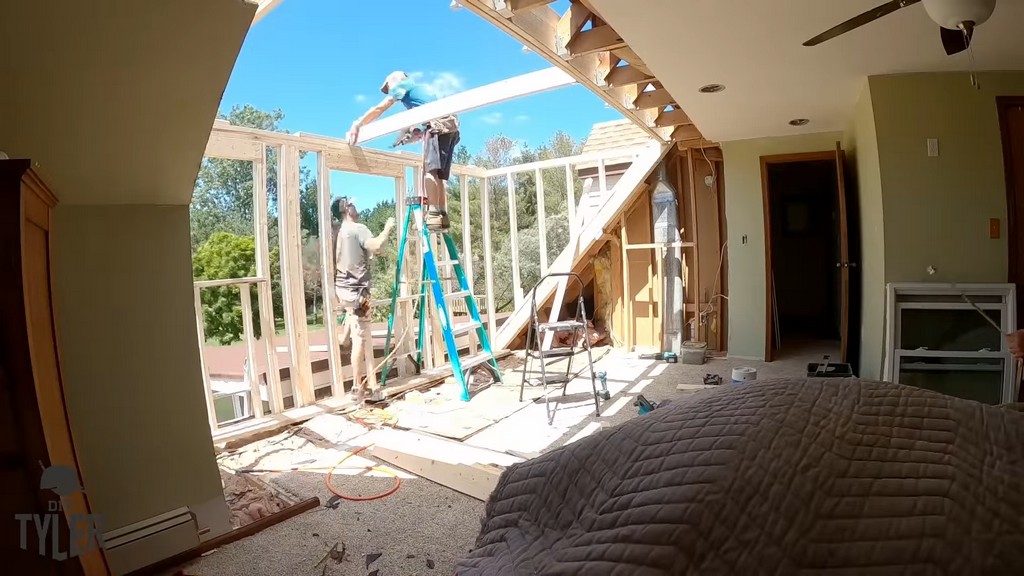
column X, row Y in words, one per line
column 447, row 262
column 553, row 353
column 560, row 326
column 465, row 327
column 474, row 361
column 459, row 294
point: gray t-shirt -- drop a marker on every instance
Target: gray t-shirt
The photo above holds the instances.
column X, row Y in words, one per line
column 352, row 260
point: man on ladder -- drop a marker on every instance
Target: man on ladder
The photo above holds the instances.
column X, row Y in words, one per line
column 353, row 246
column 442, row 135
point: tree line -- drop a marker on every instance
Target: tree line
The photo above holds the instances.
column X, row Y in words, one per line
column 222, row 220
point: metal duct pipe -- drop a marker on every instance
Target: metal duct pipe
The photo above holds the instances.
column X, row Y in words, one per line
column 664, row 202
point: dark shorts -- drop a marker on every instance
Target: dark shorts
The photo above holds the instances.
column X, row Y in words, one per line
column 439, row 150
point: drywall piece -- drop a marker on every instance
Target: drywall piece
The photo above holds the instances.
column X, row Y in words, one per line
column 511, row 88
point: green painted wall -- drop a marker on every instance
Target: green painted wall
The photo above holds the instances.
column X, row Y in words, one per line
column 130, row 356
column 744, row 212
column 937, row 209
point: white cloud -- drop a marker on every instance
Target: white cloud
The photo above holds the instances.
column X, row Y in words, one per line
column 493, row 118
column 522, row 118
column 440, row 84
column 359, row 98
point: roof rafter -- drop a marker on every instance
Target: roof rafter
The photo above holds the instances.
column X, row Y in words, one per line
column 509, row 7
column 538, row 29
column 263, row 8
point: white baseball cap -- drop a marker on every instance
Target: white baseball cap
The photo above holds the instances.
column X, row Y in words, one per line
column 392, row 79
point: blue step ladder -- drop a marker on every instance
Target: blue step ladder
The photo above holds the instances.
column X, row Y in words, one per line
column 461, row 367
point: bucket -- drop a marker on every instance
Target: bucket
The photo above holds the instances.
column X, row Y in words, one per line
column 743, row 375
column 694, row 352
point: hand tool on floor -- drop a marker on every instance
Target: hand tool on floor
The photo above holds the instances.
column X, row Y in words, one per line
column 670, row 357
column 646, row 405
column 602, row 377
column 712, row 379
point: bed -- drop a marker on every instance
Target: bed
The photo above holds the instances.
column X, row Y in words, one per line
column 837, row 476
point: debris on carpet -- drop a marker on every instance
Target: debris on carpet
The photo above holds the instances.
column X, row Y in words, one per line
column 250, row 499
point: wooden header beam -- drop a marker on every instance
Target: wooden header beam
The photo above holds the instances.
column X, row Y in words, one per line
column 517, row 87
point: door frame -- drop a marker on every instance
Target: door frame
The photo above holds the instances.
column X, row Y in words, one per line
column 828, row 155
column 1013, row 227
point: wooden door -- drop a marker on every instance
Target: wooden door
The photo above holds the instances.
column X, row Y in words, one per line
column 844, row 263
column 1011, row 120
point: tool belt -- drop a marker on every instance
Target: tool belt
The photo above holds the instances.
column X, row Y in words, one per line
column 360, row 306
column 443, row 125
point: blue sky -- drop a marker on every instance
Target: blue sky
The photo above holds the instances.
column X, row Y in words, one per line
column 322, row 63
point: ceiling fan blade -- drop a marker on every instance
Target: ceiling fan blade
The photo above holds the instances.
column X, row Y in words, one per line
column 858, row 21
column 956, row 41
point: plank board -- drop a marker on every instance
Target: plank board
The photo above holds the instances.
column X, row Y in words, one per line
column 476, row 480
column 508, row 89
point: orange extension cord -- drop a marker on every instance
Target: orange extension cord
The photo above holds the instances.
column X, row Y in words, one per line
column 330, row 487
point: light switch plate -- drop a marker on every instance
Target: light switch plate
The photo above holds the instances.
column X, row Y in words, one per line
column 933, row 147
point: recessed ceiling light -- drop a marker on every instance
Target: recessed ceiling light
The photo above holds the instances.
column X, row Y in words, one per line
column 711, row 88
column 799, row 122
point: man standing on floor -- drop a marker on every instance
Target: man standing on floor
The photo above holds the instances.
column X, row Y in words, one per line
column 442, row 135
column 353, row 246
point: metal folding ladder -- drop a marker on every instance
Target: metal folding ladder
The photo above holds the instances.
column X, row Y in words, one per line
column 461, row 367
column 536, row 334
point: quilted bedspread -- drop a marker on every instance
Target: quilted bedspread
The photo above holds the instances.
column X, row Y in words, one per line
column 774, row 477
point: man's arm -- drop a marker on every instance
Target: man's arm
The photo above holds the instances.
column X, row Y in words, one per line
column 370, row 115
column 375, row 244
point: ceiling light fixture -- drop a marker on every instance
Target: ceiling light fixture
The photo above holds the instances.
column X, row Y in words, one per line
column 711, row 88
column 799, row 122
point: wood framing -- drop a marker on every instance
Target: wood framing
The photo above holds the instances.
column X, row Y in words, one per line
column 263, row 8
column 509, row 7
column 592, row 233
column 657, row 98
column 539, row 30
column 264, row 292
column 513, row 223
column 626, row 75
column 672, row 118
column 292, row 288
column 327, row 271
column 511, row 88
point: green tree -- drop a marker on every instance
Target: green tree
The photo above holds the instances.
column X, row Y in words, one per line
column 224, row 255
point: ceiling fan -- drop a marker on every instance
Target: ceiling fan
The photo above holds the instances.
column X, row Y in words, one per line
column 957, row 20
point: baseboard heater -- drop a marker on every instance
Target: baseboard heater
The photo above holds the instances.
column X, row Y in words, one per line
column 140, row 544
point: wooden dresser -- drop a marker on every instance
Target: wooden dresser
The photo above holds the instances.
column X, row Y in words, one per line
column 38, row 463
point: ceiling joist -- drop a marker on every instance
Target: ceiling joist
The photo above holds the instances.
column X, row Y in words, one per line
column 672, row 118
column 509, row 7
column 685, row 132
column 569, row 25
column 626, row 75
column 596, row 56
column 598, row 39
column 653, row 99
column 263, row 8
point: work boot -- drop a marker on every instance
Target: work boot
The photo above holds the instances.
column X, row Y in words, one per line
column 437, row 221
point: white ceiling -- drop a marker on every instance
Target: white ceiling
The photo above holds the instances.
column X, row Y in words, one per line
column 754, row 48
